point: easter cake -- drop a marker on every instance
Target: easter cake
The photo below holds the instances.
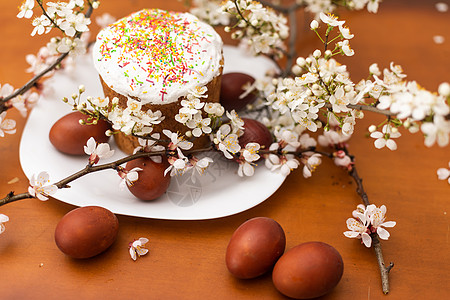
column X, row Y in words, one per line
column 154, row 59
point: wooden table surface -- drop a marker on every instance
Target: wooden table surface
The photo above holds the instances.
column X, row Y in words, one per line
column 186, row 258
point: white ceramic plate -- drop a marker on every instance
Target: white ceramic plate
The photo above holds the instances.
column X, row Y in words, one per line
column 217, row 193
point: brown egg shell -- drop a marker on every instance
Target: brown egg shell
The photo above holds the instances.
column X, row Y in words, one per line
column 152, row 183
column 255, row 132
column 68, row 136
column 308, row 270
column 86, row 231
column 231, row 90
column 254, row 247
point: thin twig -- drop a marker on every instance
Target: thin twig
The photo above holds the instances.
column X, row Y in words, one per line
column 11, row 197
column 384, row 271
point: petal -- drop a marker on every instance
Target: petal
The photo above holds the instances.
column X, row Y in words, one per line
column 376, row 135
column 3, row 218
column 354, row 225
column 141, row 251
column 50, row 190
column 351, row 234
column 367, row 240
column 41, row 197
column 132, row 253
column 391, row 144
column 143, row 241
column 389, row 224
column 90, row 146
column 42, row 178
column 248, row 169
column 380, row 143
column 383, row 233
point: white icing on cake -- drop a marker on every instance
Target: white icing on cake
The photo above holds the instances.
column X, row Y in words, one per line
column 157, row 56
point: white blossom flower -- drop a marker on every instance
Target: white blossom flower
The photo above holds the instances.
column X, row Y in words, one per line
column 444, row 173
column 177, row 164
column 26, row 9
column 345, row 46
column 436, row 131
column 284, row 163
column 199, row 165
column 137, row 248
column 215, row 109
column 250, row 153
column 377, row 220
column 41, row 25
column 210, row 12
column 237, row 124
column 199, row 125
column 330, row 19
column 128, row 177
column 176, row 141
column 372, row 6
column 345, row 31
column 101, row 102
column 366, row 221
column 385, row 137
column 227, row 142
column 287, row 138
column 311, row 164
column 74, row 23
column 191, row 107
column 149, row 145
column 38, row 187
column 40, row 61
column 6, row 125
column 444, row 89
column 359, row 229
column 97, row 151
column 104, row 20
column 3, row 219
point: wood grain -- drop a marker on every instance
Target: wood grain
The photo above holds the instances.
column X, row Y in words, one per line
column 186, row 259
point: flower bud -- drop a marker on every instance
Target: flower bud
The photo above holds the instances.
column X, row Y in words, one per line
column 373, row 69
column 301, row 61
column 108, row 132
column 314, row 25
column 188, row 134
column 372, row 128
column 296, row 69
column 82, row 88
column 444, row 89
column 317, row 53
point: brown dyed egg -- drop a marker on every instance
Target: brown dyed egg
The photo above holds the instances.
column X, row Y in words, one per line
column 69, row 136
column 231, row 89
column 151, row 183
column 308, row 270
column 255, row 132
column 86, row 231
column 255, row 247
